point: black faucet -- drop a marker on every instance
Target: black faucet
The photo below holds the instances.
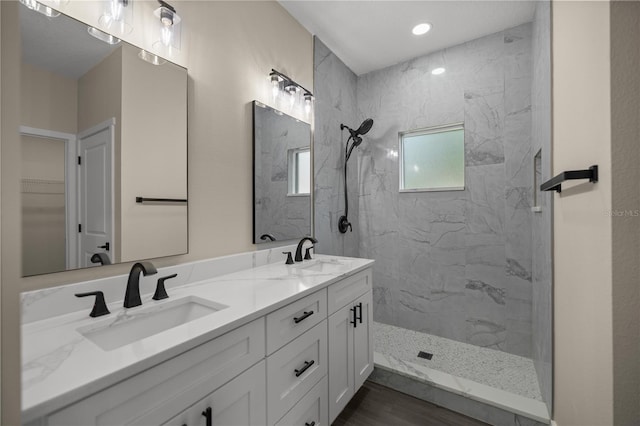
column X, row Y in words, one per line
column 101, row 258
column 132, row 295
column 300, row 244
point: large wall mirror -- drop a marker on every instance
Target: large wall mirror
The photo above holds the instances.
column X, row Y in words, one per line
column 104, row 149
column 281, row 176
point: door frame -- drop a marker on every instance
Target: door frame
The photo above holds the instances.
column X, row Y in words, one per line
column 110, row 125
column 71, row 188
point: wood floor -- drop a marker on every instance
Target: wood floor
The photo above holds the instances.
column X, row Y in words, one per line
column 378, row 405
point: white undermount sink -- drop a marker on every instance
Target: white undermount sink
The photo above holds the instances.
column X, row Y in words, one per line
column 139, row 323
column 325, row 265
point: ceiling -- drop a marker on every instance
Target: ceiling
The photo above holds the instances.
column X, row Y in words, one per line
column 371, row 35
column 60, row 45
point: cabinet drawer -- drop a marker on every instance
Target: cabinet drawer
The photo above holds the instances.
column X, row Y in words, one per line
column 349, row 289
column 294, row 370
column 159, row 393
column 311, row 410
column 289, row 322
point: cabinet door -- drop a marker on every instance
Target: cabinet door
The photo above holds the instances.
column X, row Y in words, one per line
column 241, row 402
column 363, row 339
column 341, row 377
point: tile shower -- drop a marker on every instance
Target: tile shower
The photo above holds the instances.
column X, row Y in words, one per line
column 471, row 266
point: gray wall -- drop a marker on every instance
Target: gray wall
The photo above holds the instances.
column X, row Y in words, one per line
column 335, row 103
column 542, row 339
column 456, row 264
column 276, row 213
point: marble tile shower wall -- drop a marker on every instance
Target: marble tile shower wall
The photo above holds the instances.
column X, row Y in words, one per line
column 335, row 103
column 542, row 350
column 455, row 264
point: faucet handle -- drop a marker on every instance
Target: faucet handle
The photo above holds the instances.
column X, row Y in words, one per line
column 289, row 258
column 99, row 305
column 307, row 254
column 161, row 292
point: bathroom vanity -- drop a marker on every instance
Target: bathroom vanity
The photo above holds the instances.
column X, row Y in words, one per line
column 273, row 344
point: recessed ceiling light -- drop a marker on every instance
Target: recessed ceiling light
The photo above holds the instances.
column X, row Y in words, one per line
column 437, row 71
column 421, row 29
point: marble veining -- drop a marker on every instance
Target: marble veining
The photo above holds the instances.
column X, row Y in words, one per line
column 455, row 264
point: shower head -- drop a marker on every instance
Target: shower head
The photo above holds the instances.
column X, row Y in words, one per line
column 365, row 127
column 362, row 130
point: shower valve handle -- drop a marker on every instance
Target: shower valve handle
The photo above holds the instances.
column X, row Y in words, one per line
column 343, row 224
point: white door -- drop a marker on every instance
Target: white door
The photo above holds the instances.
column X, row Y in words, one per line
column 341, row 387
column 95, row 193
column 241, row 402
column 363, row 339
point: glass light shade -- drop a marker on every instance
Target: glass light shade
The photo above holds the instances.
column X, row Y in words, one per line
column 41, row 8
column 169, row 31
column 117, row 16
column 150, row 57
column 102, row 36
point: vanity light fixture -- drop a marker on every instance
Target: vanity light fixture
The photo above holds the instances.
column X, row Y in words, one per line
column 102, row 36
column 47, row 11
column 308, row 102
column 117, row 16
column 150, row 57
column 292, row 88
column 438, row 71
column 275, row 85
column 169, row 28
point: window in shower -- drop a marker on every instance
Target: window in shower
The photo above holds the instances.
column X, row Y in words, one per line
column 432, row 159
column 299, row 160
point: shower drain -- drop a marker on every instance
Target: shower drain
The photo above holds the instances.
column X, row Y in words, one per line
column 425, row 355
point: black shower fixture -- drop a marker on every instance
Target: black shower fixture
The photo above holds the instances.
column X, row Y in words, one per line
column 356, row 140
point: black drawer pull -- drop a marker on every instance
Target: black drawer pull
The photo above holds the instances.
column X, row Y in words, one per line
column 307, row 364
column 310, row 424
column 355, row 317
column 304, row 316
column 359, row 306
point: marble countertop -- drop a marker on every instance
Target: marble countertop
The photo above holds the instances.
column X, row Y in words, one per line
column 60, row 366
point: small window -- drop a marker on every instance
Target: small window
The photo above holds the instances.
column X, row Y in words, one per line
column 299, row 171
column 432, row 159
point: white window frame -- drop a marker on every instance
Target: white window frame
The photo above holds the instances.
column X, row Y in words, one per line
column 428, row 131
column 292, row 161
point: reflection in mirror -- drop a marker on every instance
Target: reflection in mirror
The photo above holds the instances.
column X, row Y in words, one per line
column 281, row 176
column 99, row 127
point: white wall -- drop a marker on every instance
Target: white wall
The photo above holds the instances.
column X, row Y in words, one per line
column 153, row 158
column 583, row 362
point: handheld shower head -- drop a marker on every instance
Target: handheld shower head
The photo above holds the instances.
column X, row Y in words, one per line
column 365, row 127
column 362, row 130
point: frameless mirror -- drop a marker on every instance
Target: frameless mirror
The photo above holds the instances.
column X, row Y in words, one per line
column 104, row 149
column 281, row 176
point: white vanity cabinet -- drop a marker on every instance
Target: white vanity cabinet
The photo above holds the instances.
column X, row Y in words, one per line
column 159, row 393
column 350, row 339
column 296, row 365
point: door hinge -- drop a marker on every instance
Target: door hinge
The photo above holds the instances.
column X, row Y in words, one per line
column 79, row 160
column 79, row 227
